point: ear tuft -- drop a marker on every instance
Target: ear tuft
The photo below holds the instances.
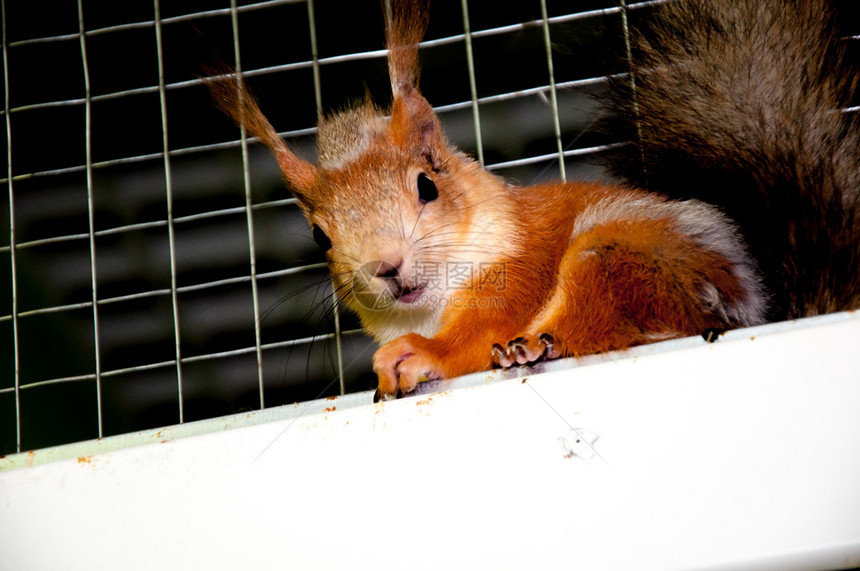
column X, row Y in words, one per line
column 407, row 23
column 414, row 126
column 233, row 98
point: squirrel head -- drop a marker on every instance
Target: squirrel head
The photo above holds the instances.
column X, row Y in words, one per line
column 395, row 206
column 388, row 205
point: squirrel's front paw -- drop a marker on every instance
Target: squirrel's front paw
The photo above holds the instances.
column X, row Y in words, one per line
column 525, row 349
column 403, row 363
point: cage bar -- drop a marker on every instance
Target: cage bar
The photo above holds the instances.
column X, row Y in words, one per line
column 12, row 241
column 166, row 157
column 315, row 65
column 174, row 297
column 90, row 214
column 249, row 211
column 473, row 87
column 556, row 122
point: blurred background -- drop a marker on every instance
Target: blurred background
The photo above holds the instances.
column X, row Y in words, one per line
column 134, row 218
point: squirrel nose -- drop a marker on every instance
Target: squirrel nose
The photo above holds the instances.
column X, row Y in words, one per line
column 387, row 270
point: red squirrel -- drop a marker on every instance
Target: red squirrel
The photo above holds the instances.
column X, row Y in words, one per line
column 452, row 269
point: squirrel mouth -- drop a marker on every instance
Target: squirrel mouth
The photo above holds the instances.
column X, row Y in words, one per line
column 409, row 294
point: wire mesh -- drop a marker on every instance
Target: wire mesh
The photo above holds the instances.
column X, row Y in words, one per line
column 156, row 270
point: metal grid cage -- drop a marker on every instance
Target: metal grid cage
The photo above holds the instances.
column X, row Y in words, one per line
column 155, row 270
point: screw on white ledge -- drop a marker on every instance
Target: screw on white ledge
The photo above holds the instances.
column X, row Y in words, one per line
column 579, row 443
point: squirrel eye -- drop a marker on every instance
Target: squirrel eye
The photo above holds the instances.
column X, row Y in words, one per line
column 321, row 238
column 427, row 191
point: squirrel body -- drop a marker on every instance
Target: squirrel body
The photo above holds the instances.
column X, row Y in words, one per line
column 454, row 270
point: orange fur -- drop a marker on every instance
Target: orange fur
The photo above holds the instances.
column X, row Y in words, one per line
column 619, row 285
column 624, row 284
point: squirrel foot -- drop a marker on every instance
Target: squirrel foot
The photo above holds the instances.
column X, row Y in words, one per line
column 525, row 350
column 403, row 363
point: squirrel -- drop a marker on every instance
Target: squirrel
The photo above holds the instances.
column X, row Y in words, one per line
column 454, row 270
column 745, row 104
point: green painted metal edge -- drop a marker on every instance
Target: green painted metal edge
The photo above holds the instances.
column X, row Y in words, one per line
column 173, row 432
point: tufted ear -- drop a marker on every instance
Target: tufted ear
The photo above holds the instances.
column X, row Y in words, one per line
column 414, row 126
column 233, row 98
column 407, row 23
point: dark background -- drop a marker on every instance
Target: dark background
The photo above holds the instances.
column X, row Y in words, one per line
column 136, row 340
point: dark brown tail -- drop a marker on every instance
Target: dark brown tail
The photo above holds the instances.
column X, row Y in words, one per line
column 740, row 102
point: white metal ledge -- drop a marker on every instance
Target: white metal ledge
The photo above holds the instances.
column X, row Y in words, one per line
column 741, row 454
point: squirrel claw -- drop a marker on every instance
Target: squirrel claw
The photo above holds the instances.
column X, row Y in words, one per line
column 379, row 396
column 501, row 359
column 525, row 350
column 712, row 334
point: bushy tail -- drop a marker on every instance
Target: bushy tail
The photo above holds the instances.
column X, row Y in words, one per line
column 740, row 103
